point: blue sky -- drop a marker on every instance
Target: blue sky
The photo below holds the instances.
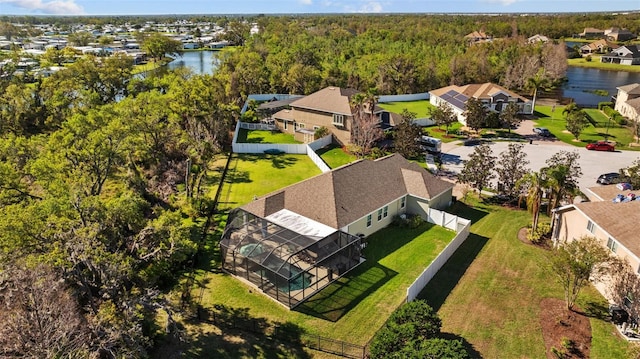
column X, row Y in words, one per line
column 152, row 7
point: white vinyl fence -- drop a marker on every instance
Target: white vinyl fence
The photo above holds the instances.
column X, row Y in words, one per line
column 450, row 221
column 300, row 149
column 404, row 98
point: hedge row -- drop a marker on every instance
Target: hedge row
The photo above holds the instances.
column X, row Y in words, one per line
column 614, row 115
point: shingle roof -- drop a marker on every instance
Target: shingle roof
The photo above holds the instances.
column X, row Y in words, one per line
column 479, row 91
column 632, row 89
column 329, row 99
column 620, row 220
column 350, row 192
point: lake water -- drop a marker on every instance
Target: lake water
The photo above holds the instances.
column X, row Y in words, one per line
column 582, row 81
column 200, row 62
column 580, row 85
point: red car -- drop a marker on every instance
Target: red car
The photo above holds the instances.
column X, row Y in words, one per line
column 601, row 146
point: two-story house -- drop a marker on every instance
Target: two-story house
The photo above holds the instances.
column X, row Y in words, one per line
column 329, row 107
column 628, row 101
column 494, row 97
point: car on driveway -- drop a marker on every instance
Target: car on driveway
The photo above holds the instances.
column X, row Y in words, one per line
column 541, row 131
column 609, row 178
column 601, row 146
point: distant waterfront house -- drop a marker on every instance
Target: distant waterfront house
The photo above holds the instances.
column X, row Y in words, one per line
column 616, row 34
column 599, row 46
column 494, row 97
column 628, row 101
column 624, row 55
column 591, row 33
column 329, row 107
column 293, row 242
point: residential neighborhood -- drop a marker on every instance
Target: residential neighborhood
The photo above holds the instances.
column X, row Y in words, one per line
column 342, row 184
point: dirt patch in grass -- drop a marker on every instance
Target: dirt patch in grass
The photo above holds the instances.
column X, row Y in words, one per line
column 564, row 331
column 543, row 243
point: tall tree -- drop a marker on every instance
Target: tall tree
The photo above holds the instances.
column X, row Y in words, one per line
column 475, row 114
column 157, row 46
column 365, row 127
column 563, row 170
column 576, row 119
column 512, row 166
column 532, row 186
column 509, row 115
column 443, row 115
column 80, row 38
column 576, row 262
column 478, row 169
column 537, row 82
column 406, row 135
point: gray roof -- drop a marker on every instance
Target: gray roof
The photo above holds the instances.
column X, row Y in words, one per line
column 632, row 89
column 348, row 193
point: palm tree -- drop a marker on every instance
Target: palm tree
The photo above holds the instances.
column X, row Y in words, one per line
column 538, row 81
column 535, row 184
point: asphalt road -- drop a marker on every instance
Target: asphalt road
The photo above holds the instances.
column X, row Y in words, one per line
column 593, row 163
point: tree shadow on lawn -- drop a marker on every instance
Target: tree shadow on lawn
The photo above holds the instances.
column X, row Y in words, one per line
column 242, row 136
column 334, row 301
column 473, row 353
column 282, row 161
column 241, row 335
column 439, row 288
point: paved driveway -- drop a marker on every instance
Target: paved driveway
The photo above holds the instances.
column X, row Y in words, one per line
column 593, row 163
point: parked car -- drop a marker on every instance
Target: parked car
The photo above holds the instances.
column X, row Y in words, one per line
column 601, row 146
column 609, row 178
column 541, row 131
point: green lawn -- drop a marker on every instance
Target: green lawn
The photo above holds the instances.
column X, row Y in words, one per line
column 334, row 156
column 252, row 175
column 440, row 132
column 489, row 291
column 261, row 136
column 596, row 64
column 420, row 107
column 555, row 122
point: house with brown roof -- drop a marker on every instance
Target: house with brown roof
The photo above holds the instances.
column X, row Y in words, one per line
column 614, row 223
column 628, row 101
column 329, row 107
column 478, row 36
column 623, row 55
column 617, row 34
column 598, row 47
column 494, row 97
column 591, row 33
column 295, row 241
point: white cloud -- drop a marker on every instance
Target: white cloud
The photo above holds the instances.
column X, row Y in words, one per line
column 56, row 7
column 503, row 2
column 371, row 7
column 306, row 2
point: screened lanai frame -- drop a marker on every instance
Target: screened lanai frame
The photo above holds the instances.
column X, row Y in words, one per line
column 288, row 266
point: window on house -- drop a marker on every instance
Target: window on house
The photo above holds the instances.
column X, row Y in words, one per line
column 380, row 214
column 301, row 125
column 591, row 227
column 316, row 127
column 403, row 202
column 612, row 244
column 369, row 221
column 338, row 120
column 385, row 211
column 285, row 124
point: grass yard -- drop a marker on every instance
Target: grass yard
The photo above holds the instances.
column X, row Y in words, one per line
column 262, row 136
column 354, row 307
column 252, row 175
column 556, row 123
column 334, row 156
column 489, row 291
column 441, row 132
column 420, row 108
column 596, row 64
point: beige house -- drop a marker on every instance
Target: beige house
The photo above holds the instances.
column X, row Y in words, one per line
column 628, row 101
column 478, row 36
column 598, row 47
column 293, row 242
column 329, row 107
column 614, row 224
column 494, row 97
column 617, row 34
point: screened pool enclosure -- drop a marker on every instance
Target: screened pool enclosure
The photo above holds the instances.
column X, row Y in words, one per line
column 287, row 256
